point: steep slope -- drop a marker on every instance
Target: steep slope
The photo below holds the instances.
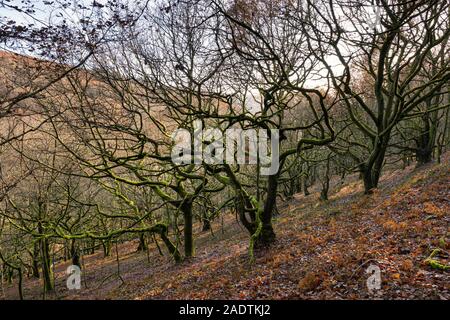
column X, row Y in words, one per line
column 322, row 252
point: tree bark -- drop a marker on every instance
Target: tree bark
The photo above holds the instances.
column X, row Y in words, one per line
column 75, row 256
column 186, row 208
column 267, row 235
column 47, row 272
column 173, row 250
column 143, row 246
column 371, row 170
column 206, row 225
column 35, row 264
column 106, row 245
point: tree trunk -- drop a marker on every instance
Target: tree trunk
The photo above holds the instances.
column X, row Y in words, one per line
column 267, row 235
column 371, row 170
column 9, row 274
column 47, row 272
column 326, row 182
column 66, row 250
column 173, row 250
column 20, row 285
column 305, row 186
column 186, row 208
column 35, row 263
column 343, row 176
column 298, row 185
column 206, row 225
column 424, row 155
column 92, row 249
column 106, row 245
column 74, row 253
column 142, row 243
column 425, row 143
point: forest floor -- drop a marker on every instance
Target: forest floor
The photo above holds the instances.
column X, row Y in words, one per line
column 323, row 250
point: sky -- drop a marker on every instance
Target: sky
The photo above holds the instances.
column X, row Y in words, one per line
column 45, row 13
column 41, row 15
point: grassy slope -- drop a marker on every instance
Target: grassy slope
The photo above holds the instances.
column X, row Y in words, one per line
column 322, row 250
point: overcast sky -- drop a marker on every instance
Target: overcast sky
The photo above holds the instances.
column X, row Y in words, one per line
column 44, row 13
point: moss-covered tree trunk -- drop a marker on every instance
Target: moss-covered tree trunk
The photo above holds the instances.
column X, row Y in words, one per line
column 267, row 235
column 173, row 250
column 47, row 272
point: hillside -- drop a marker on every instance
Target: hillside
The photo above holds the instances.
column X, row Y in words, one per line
column 322, row 251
